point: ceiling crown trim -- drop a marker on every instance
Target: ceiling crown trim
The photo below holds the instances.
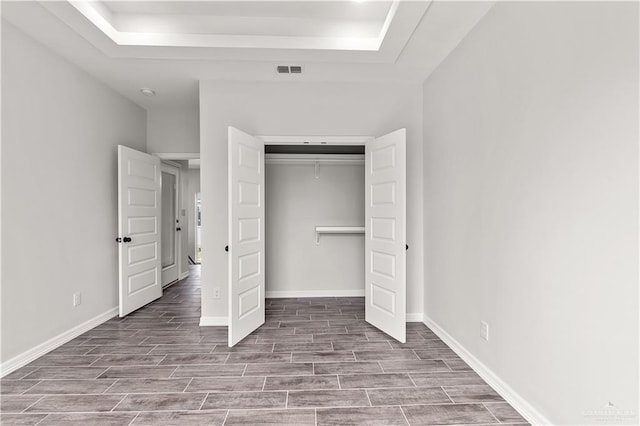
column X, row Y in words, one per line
column 100, row 16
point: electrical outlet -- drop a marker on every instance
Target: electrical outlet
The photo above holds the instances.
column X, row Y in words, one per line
column 77, row 299
column 216, row 293
column 484, row 330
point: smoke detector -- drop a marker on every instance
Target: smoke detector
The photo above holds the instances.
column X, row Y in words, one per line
column 289, row 69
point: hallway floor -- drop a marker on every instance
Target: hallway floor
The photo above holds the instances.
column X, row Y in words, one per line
column 314, row 362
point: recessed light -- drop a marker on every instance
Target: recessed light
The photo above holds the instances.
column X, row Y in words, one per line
column 147, row 92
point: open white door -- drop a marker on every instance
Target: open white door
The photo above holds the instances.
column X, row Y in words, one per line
column 385, row 219
column 139, row 203
column 246, row 235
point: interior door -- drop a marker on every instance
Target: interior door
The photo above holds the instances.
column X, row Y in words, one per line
column 139, row 203
column 385, row 221
column 246, row 235
column 170, row 247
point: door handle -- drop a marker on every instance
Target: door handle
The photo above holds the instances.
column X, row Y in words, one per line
column 226, row 248
column 178, row 229
column 118, row 240
column 406, row 247
column 126, row 239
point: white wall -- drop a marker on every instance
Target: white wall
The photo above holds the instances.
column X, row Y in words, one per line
column 531, row 203
column 295, row 203
column 302, row 109
column 60, row 129
column 173, row 130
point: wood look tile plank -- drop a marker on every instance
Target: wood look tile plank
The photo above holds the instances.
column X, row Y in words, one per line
column 145, row 372
column 453, row 378
column 450, row 414
column 279, row 369
column 245, row 400
column 327, row 398
column 85, row 419
column 301, row 382
column 143, row 385
column 7, row 419
column 371, row 416
column 347, row 368
column 226, row 384
column 180, row 418
column 385, row 380
column 504, row 412
column 60, row 387
column 17, row 403
column 75, row 403
column 16, row 387
column 211, row 370
column 66, row 373
column 161, row 402
column 297, row 417
column 480, row 393
column 408, row 396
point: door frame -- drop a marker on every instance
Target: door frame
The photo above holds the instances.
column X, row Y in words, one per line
column 178, row 236
column 315, row 140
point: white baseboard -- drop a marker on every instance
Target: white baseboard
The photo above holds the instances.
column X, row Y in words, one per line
column 30, row 355
column 532, row 415
column 414, row 317
column 213, row 321
column 315, row 293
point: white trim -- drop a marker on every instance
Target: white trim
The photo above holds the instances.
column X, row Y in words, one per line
column 177, row 156
column 527, row 411
column 183, row 275
column 415, row 317
column 27, row 356
column 315, row 140
column 315, row 293
column 213, row 321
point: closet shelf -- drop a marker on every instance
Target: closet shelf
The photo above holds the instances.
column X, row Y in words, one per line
column 337, row 230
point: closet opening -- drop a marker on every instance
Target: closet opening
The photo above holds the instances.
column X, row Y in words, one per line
column 314, row 220
column 308, row 245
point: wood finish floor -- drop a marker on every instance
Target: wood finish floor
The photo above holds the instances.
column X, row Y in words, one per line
column 314, row 362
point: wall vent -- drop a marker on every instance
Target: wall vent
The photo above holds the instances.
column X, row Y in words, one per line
column 289, row 69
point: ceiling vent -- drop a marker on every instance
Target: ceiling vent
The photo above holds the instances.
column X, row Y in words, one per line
column 289, row 69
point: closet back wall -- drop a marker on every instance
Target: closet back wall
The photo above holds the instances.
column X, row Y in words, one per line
column 296, row 202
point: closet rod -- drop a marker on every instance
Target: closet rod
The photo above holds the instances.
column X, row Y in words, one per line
column 338, row 230
column 344, row 159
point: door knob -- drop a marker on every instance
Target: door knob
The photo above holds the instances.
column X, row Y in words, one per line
column 126, row 239
column 118, row 240
column 226, row 248
column 178, row 229
column 406, row 247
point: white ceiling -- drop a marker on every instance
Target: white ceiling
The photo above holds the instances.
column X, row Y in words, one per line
column 170, row 45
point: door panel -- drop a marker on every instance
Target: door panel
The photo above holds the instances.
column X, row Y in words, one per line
column 385, row 218
column 170, row 238
column 139, row 203
column 246, row 235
